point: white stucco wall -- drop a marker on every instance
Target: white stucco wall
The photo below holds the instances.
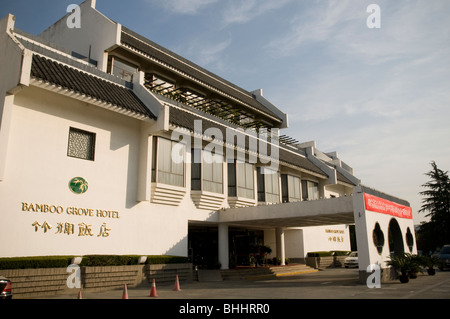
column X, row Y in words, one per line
column 365, row 221
column 38, row 171
column 96, row 34
column 326, row 238
column 300, row 241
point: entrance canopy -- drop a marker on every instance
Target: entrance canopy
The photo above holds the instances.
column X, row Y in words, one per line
column 299, row 214
column 374, row 214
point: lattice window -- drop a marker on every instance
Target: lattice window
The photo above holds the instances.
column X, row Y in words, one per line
column 81, row 144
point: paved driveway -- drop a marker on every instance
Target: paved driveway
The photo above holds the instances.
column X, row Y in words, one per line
column 337, row 283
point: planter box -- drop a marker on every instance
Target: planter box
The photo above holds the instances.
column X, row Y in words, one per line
column 36, row 283
column 325, row 262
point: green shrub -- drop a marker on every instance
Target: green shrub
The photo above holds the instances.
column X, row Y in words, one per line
column 108, row 260
column 35, row 262
column 153, row 260
column 88, row 261
column 327, row 253
column 319, row 254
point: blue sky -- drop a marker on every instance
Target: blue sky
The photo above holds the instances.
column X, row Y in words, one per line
column 379, row 97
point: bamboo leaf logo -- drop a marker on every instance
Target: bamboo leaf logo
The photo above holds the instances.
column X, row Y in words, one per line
column 78, row 185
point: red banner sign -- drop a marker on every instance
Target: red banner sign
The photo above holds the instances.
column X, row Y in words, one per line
column 380, row 205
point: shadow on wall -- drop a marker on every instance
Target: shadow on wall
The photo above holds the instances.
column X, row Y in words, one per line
column 179, row 249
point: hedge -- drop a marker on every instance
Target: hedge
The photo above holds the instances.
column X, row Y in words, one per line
column 155, row 260
column 93, row 260
column 35, row 262
column 327, row 253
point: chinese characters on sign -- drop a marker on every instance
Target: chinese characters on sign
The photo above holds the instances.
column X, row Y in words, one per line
column 334, row 238
column 383, row 206
column 66, row 228
column 69, row 229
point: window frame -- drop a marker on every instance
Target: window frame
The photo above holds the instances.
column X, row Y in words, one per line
column 201, row 179
column 288, row 188
column 305, row 191
column 156, row 160
column 115, row 62
column 239, row 187
column 213, row 180
column 266, row 186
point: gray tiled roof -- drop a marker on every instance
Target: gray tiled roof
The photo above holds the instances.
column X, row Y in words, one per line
column 72, row 79
column 167, row 57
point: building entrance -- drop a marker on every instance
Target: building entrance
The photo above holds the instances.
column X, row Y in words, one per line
column 202, row 246
column 245, row 246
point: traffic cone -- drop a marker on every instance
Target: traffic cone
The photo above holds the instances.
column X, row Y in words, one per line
column 153, row 291
column 177, row 285
column 125, row 292
column 79, row 295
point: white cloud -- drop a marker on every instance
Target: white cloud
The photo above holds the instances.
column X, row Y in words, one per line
column 242, row 11
column 208, row 55
column 322, row 21
column 379, row 72
column 184, row 6
column 406, row 30
column 377, row 96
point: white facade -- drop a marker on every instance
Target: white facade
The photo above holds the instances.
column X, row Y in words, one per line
column 301, row 241
column 382, row 229
column 39, row 170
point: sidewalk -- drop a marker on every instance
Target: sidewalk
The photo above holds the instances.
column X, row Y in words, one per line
column 338, row 283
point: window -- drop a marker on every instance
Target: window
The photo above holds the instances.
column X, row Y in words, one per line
column 232, row 188
column 290, row 188
column 206, row 171
column 268, row 185
column 261, row 188
column 81, row 144
column 310, row 190
column 121, row 69
column 168, row 162
column 245, row 187
column 196, row 170
column 240, row 180
column 212, row 172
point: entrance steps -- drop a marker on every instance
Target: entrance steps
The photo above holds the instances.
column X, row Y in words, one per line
column 209, row 275
column 265, row 272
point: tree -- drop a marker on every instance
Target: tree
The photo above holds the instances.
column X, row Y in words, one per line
column 436, row 204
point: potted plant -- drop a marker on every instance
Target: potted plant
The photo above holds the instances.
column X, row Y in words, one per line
column 265, row 251
column 429, row 262
column 415, row 265
column 402, row 264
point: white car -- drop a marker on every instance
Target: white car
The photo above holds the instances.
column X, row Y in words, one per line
column 351, row 260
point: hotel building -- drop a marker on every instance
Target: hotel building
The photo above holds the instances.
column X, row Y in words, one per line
column 111, row 144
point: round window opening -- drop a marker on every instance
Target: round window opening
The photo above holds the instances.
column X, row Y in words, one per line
column 378, row 238
column 409, row 239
